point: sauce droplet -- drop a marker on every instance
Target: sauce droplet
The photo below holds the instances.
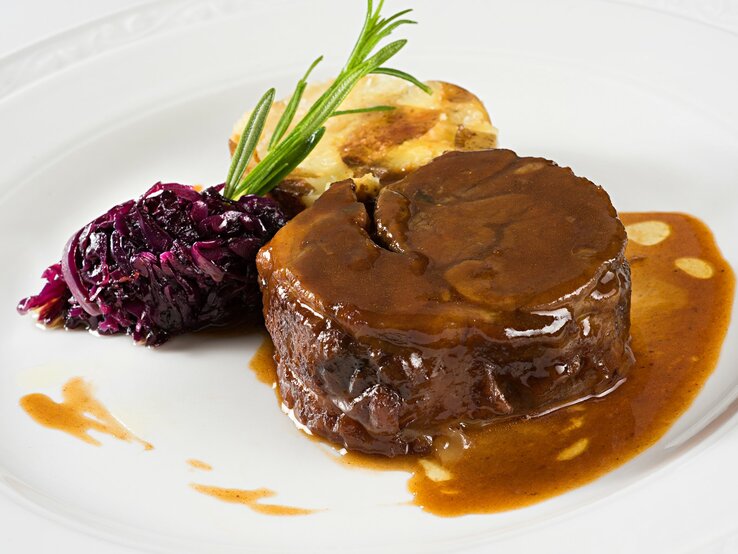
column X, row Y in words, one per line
column 199, row 464
column 251, row 499
column 78, row 414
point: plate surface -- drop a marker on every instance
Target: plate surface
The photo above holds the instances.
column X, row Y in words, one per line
column 639, row 101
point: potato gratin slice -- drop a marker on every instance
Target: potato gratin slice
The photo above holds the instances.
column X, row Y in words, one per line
column 380, row 147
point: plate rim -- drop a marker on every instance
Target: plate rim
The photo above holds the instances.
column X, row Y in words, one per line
column 27, row 62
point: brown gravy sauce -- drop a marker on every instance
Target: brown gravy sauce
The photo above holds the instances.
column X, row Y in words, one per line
column 199, row 464
column 80, row 412
column 251, row 498
column 262, row 363
column 77, row 414
column 681, row 305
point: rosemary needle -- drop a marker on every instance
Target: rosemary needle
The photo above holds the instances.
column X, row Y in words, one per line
column 364, row 110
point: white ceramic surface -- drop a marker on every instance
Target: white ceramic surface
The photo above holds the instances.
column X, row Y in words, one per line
column 638, row 100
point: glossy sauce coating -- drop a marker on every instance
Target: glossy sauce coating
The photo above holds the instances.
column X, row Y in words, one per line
column 483, row 286
column 78, row 414
column 473, row 242
column 682, row 297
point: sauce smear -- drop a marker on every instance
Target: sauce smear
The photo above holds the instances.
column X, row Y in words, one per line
column 681, row 305
column 251, row 499
column 199, row 464
column 261, row 363
column 78, row 414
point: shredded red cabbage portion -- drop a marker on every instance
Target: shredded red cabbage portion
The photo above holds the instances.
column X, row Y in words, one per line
column 173, row 261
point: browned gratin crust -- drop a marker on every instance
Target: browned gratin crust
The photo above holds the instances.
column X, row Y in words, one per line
column 381, row 147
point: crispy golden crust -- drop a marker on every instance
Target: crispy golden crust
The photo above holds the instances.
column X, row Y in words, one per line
column 381, row 147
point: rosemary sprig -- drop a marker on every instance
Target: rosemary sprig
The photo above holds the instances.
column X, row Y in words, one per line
column 289, row 111
column 286, row 152
column 247, row 144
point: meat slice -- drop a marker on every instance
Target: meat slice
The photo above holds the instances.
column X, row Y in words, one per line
column 484, row 286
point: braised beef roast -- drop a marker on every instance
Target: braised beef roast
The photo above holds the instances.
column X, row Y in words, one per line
column 483, row 286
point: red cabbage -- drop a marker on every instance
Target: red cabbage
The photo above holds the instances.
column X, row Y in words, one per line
column 173, row 261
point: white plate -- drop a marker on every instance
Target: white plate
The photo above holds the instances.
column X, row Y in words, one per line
column 642, row 102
